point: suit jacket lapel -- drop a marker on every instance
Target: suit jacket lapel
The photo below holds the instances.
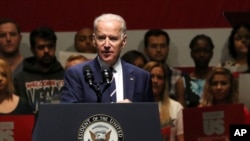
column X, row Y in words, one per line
column 97, row 71
column 128, row 81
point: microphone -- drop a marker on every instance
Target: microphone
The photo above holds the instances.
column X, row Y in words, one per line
column 106, row 75
column 89, row 78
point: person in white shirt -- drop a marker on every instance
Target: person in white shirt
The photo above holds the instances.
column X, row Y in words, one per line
column 170, row 110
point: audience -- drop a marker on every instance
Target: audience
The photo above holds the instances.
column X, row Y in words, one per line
column 221, row 88
column 237, row 48
column 42, row 75
column 170, row 110
column 10, row 103
column 201, row 52
column 135, row 57
column 156, row 47
column 75, row 59
column 40, row 78
column 10, row 38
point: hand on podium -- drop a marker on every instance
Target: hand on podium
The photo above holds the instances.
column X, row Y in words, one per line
column 124, row 101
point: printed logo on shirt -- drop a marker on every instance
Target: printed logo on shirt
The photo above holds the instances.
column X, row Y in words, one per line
column 43, row 91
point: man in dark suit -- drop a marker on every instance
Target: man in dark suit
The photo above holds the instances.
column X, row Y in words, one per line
column 89, row 82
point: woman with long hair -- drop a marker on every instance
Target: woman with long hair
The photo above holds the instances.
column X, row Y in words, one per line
column 10, row 103
column 221, row 88
column 170, row 110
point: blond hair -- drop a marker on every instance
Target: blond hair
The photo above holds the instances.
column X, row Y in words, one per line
column 164, row 97
column 10, row 87
column 74, row 57
column 207, row 97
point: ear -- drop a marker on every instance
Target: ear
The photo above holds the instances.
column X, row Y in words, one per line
column 94, row 39
column 124, row 41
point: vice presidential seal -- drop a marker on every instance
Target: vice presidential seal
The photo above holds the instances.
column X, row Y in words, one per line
column 100, row 127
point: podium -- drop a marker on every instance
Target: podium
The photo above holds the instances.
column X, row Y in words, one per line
column 90, row 121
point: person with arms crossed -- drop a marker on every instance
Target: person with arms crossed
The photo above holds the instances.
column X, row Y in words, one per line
column 132, row 84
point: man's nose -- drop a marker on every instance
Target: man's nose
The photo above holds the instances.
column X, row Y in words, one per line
column 46, row 49
column 8, row 37
column 107, row 42
column 89, row 40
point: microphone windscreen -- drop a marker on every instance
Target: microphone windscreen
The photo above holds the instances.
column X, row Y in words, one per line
column 106, row 75
column 88, row 75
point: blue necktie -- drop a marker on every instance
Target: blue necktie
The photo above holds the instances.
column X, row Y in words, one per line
column 112, row 88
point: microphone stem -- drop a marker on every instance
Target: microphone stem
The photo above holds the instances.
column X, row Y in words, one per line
column 98, row 94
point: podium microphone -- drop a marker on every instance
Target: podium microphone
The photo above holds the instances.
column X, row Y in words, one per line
column 106, row 75
column 89, row 78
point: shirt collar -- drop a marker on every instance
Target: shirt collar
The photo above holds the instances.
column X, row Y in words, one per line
column 117, row 66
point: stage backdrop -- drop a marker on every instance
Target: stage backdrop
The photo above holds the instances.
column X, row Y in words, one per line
column 182, row 19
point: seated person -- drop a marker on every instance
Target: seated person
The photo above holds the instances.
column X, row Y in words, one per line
column 170, row 110
column 156, row 48
column 75, row 59
column 135, row 57
column 83, row 41
column 201, row 47
column 237, row 46
column 220, row 88
column 10, row 103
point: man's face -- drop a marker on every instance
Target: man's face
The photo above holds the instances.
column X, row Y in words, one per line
column 9, row 39
column 109, row 41
column 83, row 41
column 157, row 49
column 44, row 51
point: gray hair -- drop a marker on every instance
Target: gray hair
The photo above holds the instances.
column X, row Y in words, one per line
column 111, row 17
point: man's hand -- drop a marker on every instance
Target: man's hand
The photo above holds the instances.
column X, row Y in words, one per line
column 124, row 101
